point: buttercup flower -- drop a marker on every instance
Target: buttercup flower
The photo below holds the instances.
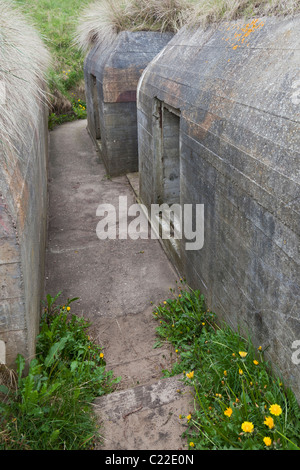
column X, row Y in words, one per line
column 267, row 441
column 228, row 412
column 247, row 426
column 269, row 422
column 275, row 410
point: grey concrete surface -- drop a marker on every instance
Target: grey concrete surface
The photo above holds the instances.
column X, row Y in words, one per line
column 235, row 88
column 115, row 280
column 23, row 212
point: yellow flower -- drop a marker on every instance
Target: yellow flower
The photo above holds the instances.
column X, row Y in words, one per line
column 275, row 410
column 63, row 307
column 189, row 417
column 247, row 426
column 68, row 308
column 165, row 302
column 267, row 441
column 259, row 348
column 176, row 350
column 241, row 372
column 192, row 444
column 101, row 355
column 242, row 353
column 225, row 373
column 179, row 295
column 255, row 362
column 203, row 323
column 269, row 422
column 228, row 412
column 190, row 375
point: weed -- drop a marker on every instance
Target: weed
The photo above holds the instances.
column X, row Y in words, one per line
column 239, row 402
column 50, row 409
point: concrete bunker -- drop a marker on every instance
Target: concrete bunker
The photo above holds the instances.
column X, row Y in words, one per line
column 112, row 72
column 234, row 88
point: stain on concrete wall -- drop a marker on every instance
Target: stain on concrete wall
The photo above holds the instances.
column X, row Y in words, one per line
column 236, row 87
column 112, row 73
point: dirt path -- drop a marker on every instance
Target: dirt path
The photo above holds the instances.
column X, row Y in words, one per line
column 116, row 281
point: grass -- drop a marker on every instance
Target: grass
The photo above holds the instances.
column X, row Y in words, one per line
column 24, row 60
column 104, row 19
column 239, row 403
column 56, row 21
column 49, row 408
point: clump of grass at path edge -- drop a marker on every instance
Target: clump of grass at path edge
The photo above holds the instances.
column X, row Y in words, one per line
column 56, row 20
column 239, row 403
column 49, row 408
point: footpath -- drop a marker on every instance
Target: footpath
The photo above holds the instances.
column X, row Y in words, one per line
column 118, row 283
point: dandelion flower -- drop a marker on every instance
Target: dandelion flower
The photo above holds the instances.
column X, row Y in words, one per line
column 190, row 375
column 68, row 308
column 267, row 441
column 101, row 355
column 189, row 417
column 269, row 422
column 243, row 353
column 225, row 373
column 247, row 426
column 241, row 372
column 275, row 410
column 192, row 444
column 228, row 412
column 165, row 302
column 255, row 362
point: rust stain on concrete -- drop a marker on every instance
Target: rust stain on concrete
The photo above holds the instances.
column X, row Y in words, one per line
column 118, row 84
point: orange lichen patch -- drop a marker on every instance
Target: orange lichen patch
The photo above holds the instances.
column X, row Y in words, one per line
column 243, row 32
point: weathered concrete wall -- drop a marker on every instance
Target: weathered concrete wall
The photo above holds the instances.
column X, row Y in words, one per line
column 111, row 77
column 23, row 209
column 236, row 90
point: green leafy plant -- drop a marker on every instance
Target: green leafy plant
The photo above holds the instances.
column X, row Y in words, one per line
column 51, row 405
column 239, row 402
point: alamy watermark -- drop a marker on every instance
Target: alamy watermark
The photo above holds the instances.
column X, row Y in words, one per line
column 174, row 221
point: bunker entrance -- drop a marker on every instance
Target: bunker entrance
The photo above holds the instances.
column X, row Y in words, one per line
column 96, row 108
column 170, row 154
column 167, row 152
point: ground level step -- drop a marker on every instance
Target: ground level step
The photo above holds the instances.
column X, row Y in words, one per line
column 145, row 417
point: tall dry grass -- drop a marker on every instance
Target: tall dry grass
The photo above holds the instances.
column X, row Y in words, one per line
column 24, row 60
column 104, row 19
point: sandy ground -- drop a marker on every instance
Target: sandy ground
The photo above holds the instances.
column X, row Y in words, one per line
column 116, row 281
